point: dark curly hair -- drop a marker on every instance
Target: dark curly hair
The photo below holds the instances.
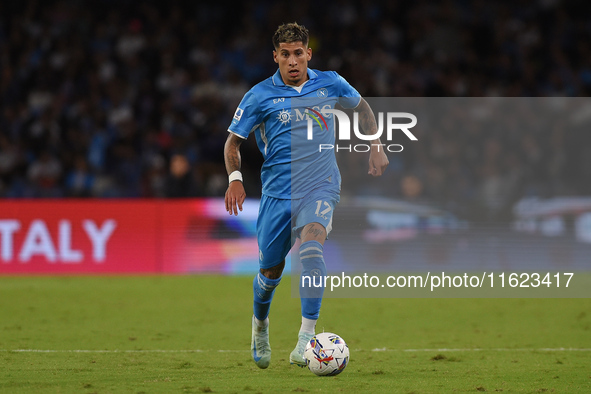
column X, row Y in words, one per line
column 290, row 32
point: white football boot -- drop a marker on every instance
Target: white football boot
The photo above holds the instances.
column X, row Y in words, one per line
column 259, row 345
column 297, row 356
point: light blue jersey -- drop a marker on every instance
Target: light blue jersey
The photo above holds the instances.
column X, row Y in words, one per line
column 291, row 166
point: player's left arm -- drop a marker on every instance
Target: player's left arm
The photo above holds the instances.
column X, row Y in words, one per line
column 378, row 161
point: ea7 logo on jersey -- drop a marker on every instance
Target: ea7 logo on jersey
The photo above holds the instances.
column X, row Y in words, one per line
column 238, row 114
column 278, row 100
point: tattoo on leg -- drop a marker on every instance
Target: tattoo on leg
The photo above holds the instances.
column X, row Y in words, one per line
column 315, row 231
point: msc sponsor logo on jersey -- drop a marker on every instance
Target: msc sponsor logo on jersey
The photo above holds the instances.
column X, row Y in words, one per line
column 285, row 116
column 238, row 114
column 304, row 113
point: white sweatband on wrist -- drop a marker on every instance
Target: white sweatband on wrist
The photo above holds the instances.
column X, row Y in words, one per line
column 235, row 176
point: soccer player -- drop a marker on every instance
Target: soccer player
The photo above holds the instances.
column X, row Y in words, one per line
column 300, row 188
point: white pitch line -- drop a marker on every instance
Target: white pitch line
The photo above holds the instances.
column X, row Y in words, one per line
column 560, row 349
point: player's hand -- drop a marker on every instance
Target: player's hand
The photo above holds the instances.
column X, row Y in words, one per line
column 378, row 161
column 235, row 196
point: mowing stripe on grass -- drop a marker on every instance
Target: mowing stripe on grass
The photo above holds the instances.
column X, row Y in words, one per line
column 560, row 349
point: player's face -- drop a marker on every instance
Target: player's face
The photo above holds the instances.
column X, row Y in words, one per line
column 292, row 59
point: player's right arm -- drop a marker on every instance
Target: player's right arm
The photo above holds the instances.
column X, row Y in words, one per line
column 235, row 194
column 247, row 118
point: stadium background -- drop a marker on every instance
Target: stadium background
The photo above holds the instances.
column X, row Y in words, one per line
column 127, row 103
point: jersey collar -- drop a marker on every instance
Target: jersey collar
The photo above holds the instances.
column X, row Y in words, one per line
column 277, row 81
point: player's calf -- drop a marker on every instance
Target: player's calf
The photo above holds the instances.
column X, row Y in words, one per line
column 312, row 281
column 311, row 292
column 263, row 285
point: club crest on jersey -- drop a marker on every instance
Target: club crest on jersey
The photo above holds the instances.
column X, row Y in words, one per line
column 322, row 92
column 284, row 117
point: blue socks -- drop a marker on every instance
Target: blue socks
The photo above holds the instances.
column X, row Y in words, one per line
column 312, row 279
column 263, row 289
column 311, row 284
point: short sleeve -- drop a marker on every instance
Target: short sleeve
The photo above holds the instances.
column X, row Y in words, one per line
column 247, row 117
column 349, row 97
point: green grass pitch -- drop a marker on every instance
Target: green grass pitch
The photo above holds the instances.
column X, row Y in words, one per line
column 191, row 334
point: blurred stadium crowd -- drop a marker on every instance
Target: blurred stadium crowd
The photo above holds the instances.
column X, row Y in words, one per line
column 133, row 99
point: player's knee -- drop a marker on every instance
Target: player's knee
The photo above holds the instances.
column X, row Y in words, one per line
column 274, row 272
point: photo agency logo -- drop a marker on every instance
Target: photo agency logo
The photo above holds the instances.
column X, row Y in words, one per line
column 316, row 118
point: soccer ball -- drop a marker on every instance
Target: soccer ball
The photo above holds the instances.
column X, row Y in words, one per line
column 326, row 354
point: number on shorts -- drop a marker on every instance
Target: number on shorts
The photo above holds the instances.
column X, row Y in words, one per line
column 324, row 211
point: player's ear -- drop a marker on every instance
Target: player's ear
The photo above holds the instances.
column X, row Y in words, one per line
column 275, row 56
column 309, row 54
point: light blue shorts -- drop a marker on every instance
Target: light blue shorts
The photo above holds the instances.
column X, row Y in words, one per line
column 280, row 221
